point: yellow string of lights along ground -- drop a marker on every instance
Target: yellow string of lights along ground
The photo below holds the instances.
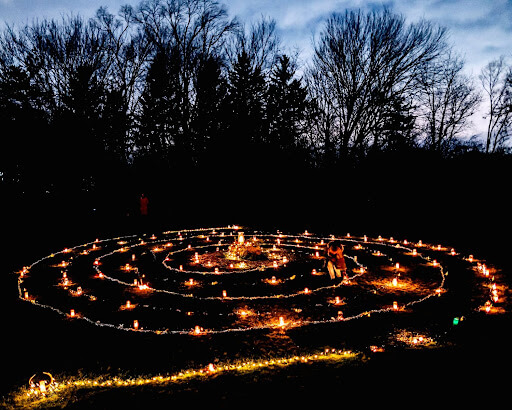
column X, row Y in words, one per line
column 36, row 395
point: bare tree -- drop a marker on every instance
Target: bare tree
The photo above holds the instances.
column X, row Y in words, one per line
column 365, row 59
column 496, row 79
column 260, row 42
column 447, row 100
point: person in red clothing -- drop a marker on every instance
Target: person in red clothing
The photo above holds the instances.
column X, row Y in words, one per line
column 335, row 260
column 144, row 205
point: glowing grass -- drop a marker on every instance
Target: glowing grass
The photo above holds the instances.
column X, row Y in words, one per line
column 64, row 390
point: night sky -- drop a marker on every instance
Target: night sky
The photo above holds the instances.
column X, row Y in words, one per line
column 479, row 30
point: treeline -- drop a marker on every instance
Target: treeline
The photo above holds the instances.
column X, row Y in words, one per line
column 177, row 99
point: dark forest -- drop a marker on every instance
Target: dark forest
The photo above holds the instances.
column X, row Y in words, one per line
column 213, row 120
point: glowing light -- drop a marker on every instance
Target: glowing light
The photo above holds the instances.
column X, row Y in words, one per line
column 281, row 321
column 136, row 324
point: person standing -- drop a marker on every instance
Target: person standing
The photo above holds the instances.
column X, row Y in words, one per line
column 336, row 260
column 144, row 205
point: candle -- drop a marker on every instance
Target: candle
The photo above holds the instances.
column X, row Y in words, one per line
column 136, row 324
column 224, row 294
column 72, row 313
column 281, row 321
column 395, row 305
column 395, row 282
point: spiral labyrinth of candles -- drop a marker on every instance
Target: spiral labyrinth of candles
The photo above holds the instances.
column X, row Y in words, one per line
column 231, row 279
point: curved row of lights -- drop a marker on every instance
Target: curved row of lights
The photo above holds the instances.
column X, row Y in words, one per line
column 43, row 387
column 174, row 237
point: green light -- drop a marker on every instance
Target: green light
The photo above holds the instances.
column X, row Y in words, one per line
column 455, row 321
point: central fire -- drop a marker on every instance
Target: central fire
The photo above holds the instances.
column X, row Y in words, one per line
column 245, row 250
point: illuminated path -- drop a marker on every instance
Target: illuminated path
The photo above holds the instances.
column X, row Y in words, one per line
column 187, row 282
column 207, row 281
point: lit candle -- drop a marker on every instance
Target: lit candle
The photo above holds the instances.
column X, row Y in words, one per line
column 281, row 321
column 72, row 313
column 414, row 252
column 136, row 324
column 397, row 265
column 395, row 305
column 395, row 282
column 337, row 300
column 128, row 304
column 197, row 330
column 273, row 279
column 224, row 294
column 306, row 290
column 313, row 272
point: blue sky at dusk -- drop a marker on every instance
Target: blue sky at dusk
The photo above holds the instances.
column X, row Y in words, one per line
column 479, row 30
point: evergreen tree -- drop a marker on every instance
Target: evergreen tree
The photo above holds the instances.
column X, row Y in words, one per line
column 207, row 123
column 287, row 103
column 246, row 104
column 159, row 120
